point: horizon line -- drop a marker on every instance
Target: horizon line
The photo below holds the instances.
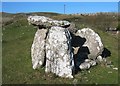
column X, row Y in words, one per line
column 58, row 13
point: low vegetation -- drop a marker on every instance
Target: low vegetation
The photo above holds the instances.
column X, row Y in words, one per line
column 16, row 45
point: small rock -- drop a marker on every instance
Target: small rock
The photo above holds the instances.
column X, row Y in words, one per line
column 99, row 58
column 109, row 71
column 109, row 66
column 104, row 60
column 115, row 68
column 87, row 60
column 87, row 64
column 84, row 65
column 93, row 63
column 89, row 71
column 108, row 62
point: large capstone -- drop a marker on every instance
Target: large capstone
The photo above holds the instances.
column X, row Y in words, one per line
column 38, row 48
column 92, row 46
column 59, row 57
column 43, row 21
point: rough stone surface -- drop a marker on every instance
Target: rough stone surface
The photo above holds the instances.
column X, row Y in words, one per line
column 84, row 65
column 99, row 58
column 93, row 63
column 54, row 45
column 38, row 48
column 87, row 64
column 72, row 28
column 46, row 22
column 59, row 58
column 93, row 42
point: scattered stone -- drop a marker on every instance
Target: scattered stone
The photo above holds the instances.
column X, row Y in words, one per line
column 109, row 66
column 99, row 58
column 89, row 71
column 87, row 64
column 93, row 42
column 87, row 60
column 104, row 60
column 84, row 66
column 115, row 68
column 93, row 63
column 59, row 57
column 109, row 71
column 108, row 62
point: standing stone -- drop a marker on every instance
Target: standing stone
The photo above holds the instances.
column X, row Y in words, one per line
column 38, row 48
column 59, row 58
column 93, row 42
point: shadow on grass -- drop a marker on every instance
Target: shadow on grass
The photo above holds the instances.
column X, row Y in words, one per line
column 106, row 53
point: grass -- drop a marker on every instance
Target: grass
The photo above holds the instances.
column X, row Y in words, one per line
column 17, row 65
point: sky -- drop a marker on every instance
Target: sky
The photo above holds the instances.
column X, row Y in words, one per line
column 58, row 7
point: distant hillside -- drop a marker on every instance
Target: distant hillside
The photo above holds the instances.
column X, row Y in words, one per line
column 99, row 20
column 9, row 18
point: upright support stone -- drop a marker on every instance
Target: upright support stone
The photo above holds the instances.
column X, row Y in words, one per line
column 93, row 42
column 38, row 48
column 59, row 57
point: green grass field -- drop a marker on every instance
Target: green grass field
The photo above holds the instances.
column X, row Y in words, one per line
column 16, row 59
